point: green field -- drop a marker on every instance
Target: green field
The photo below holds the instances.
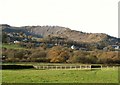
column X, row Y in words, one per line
column 106, row 75
column 12, row 46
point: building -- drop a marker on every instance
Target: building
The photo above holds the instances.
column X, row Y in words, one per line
column 73, row 47
column 115, row 47
column 16, row 42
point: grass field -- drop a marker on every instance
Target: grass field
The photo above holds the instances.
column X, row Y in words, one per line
column 109, row 75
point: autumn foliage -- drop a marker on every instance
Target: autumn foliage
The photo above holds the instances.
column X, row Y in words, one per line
column 60, row 54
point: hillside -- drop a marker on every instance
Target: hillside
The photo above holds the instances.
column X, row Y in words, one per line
column 62, row 32
column 55, row 44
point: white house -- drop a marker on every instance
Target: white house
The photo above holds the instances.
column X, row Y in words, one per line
column 116, row 47
column 15, row 42
column 73, row 47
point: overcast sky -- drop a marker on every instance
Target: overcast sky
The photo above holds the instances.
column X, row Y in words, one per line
column 93, row 16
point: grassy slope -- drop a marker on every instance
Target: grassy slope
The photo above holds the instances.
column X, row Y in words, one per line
column 12, row 46
column 62, row 76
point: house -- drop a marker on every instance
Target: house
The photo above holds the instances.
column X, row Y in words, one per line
column 115, row 47
column 56, row 44
column 9, row 34
column 16, row 42
column 73, row 47
column 105, row 48
column 25, row 40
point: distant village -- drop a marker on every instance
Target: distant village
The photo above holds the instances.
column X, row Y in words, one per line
column 31, row 41
column 54, row 49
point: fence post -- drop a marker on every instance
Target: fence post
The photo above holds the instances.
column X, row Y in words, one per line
column 65, row 67
column 61, row 67
column 70, row 67
column 80, row 66
column 51, row 67
column 43, row 67
column 47, row 67
column 113, row 67
column 56, row 67
column 90, row 66
column 101, row 66
column 107, row 67
column 75, row 67
column 86, row 67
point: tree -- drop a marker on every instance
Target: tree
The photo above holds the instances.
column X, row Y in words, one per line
column 57, row 54
column 39, row 56
column 5, row 37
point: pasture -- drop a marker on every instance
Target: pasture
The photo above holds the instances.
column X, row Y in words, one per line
column 105, row 75
column 12, row 46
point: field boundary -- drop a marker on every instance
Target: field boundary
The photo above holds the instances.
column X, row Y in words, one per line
column 78, row 67
column 57, row 67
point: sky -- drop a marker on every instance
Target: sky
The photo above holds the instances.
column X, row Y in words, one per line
column 92, row 16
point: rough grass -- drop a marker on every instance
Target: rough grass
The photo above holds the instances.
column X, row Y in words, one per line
column 109, row 75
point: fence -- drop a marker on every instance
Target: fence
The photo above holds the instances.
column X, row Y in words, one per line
column 67, row 67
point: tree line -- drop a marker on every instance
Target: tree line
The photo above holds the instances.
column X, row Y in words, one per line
column 60, row 54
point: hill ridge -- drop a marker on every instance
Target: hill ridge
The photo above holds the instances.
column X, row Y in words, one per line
column 59, row 31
